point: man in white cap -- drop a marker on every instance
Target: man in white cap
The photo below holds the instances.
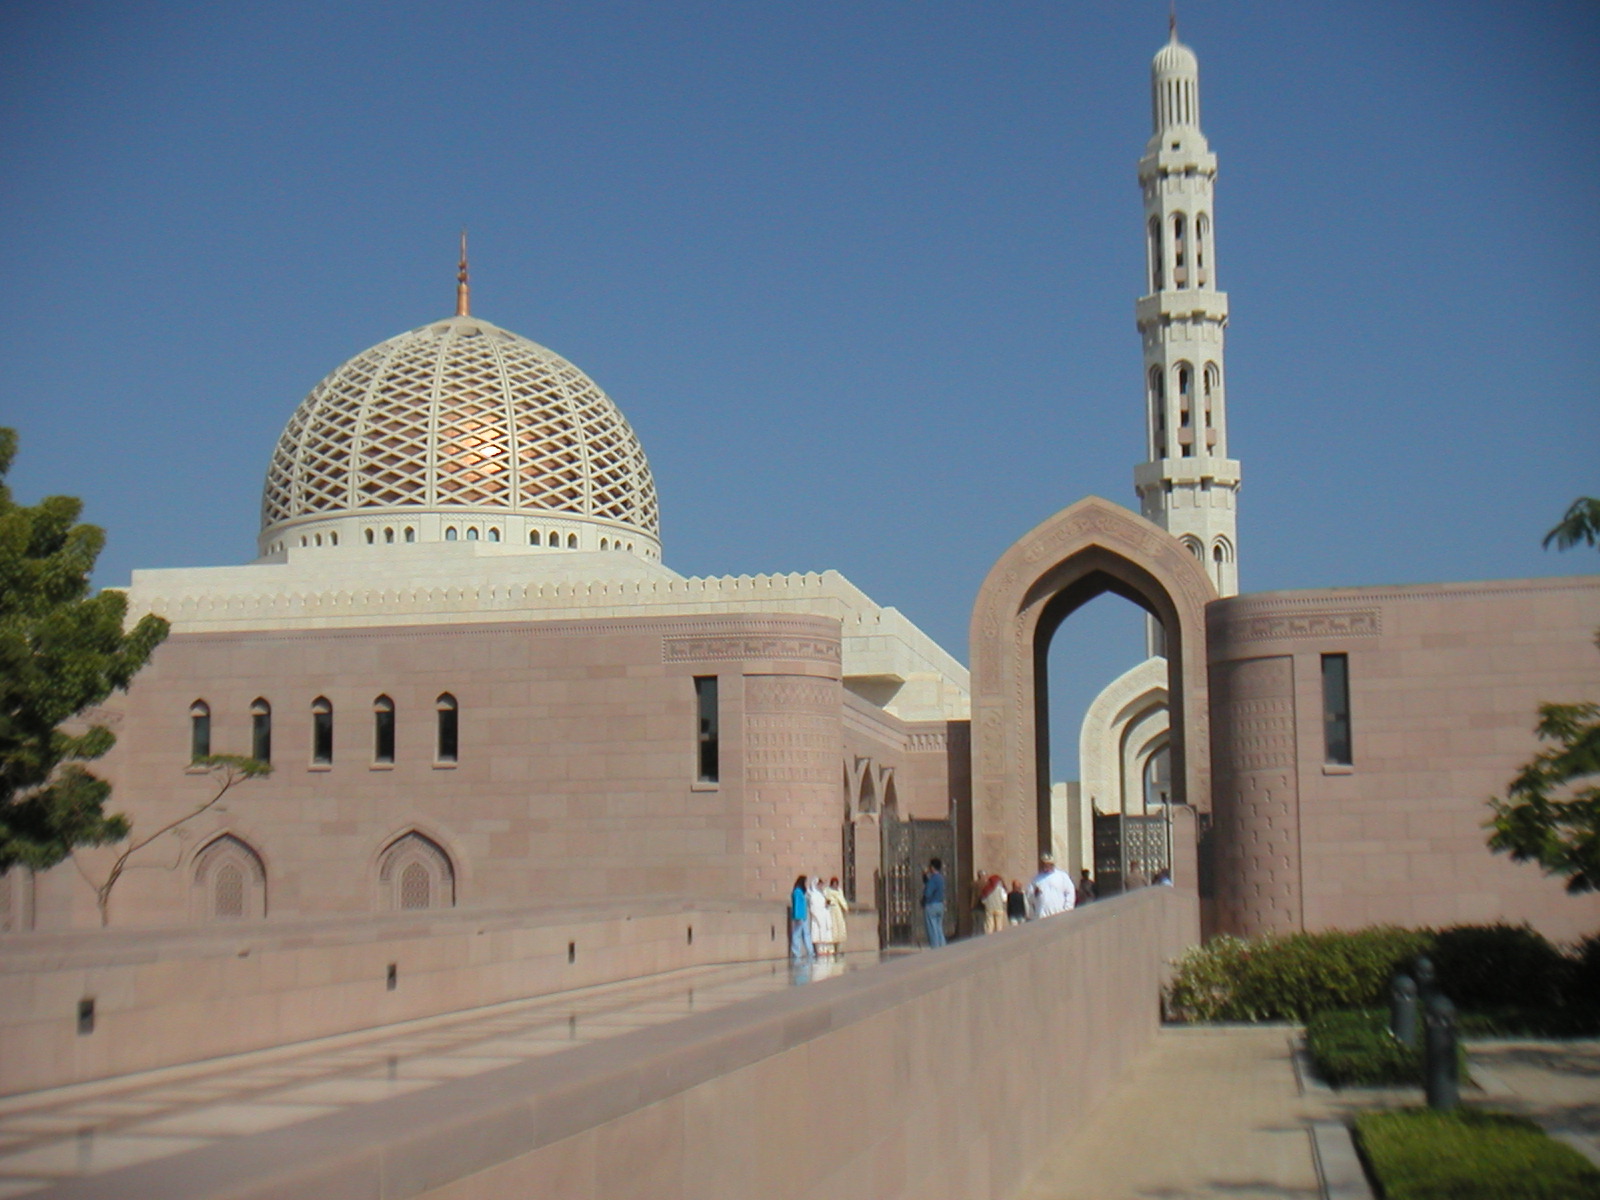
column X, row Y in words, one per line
column 1051, row 891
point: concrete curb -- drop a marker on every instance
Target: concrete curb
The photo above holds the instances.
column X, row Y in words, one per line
column 1339, row 1173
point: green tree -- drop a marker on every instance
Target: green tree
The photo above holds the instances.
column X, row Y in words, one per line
column 61, row 651
column 1551, row 811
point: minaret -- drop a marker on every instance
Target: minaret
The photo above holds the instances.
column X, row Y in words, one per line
column 1188, row 485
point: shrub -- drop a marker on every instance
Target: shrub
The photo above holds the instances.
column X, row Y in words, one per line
column 1355, row 1049
column 1289, row 977
column 1498, row 966
column 1467, row 1154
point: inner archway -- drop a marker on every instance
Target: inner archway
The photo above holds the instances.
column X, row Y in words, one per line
column 1083, row 551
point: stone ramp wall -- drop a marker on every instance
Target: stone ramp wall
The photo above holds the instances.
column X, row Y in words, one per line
column 167, row 998
column 944, row 1074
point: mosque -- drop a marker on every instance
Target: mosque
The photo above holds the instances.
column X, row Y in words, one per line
column 481, row 687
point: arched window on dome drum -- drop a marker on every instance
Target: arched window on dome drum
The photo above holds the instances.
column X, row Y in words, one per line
column 411, row 534
column 321, row 731
column 319, row 539
column 472, row 534
column 450, row 534
column 533, row 537
column 261, row 730
column 605, row 544
column 555, row 540
column 448, row 713
column 369, row 537
column 572, row 541
column 199, row 730
column 388, row 537
column 333, row 539
column 383, row 730
column 494, row 535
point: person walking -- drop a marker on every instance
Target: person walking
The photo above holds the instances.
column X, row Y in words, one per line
column 799, row 934
column 933, row 902
column 1016, row 903
column 837, row 907
column 994, row 904
column 1052, row 891
column 818, row 922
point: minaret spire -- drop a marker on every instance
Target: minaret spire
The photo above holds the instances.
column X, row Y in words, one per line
column 1187, row 485
column 1172, row 21
column 463, row 298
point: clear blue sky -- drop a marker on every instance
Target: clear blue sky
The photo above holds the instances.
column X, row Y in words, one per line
column 861, row 275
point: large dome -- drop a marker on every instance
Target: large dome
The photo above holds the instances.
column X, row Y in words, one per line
column 462, row 431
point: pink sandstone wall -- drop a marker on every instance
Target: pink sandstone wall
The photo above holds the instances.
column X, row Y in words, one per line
column 1445, row 682
column 167, row 998
column 576, row 779
column 866, row 1085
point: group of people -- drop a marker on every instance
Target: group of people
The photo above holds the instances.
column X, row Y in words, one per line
column 816, row 917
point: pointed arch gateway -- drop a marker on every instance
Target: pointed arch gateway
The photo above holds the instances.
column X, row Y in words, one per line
column 1083, row 551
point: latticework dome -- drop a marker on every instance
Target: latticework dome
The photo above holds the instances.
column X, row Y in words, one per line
column 459, row 430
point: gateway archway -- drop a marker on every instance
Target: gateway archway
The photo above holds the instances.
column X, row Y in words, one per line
column 1090, row 548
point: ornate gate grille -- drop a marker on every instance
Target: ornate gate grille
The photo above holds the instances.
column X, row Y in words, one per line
column 1120, row 840
column 907, row 847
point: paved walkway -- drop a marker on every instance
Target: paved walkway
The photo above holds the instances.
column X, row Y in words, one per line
column 1220, row 1112
column 84, row 1129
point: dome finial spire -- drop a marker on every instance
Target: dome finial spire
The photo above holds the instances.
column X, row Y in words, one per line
column 1172, row 21
column 463, row 305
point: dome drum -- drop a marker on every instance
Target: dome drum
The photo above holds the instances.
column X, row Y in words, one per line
column 459, row 430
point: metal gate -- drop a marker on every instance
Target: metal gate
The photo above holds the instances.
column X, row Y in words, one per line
column 907, row 847
column 1120, row 840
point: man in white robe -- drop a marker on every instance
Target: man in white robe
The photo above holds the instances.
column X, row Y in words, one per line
column 1051, row 891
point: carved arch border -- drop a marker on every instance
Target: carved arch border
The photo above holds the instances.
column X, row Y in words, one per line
column 1085, row 550
column 391, row 851
column 221, row 849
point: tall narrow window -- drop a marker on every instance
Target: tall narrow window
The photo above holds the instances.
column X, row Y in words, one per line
column 1179, row 247
column 199, row 730
column 705, row 695
column 383, row 730
column 1157, row 260
column 261, row 731
column 321, row 730
column 533, row 537
column 1336, row 709
column 449, row 713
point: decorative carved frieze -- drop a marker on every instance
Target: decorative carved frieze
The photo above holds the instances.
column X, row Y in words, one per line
column 700, row 649
column 1327, row 623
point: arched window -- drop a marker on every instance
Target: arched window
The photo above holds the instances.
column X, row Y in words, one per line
column 369, row 537
column 472, row 534
column 199, row 730
column 533, row 537
column 450, row 534
column 1211, row 382
column 449, row 715
column 388, row 537
column 411, row 534
column 1202, row 233
column 1157, row 260
column 572, row 541
column 261, row 730
column 229, row 882
column 414, row 873
column 605, row 544
column 1158, row 412
column 333, row 539
column 302, row 542
column 383, row 730
column 321, row 730
column 494, row 535
column 1180, row 273
column 1186, row 409
column 319, row 539
column 1194, row 548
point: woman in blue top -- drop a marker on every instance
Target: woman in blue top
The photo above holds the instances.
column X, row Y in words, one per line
column 799, row 934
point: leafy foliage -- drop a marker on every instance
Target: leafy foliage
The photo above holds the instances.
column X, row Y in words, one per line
column 1292, row 977
column 1551, row 811
column 61, row 651
column 1469, row 1154
column 1356, row 1048
column 1511, row 974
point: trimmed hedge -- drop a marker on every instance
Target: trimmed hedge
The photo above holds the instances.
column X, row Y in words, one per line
column 1355, row 1049
column 1468, row 1154
column 1510, row 971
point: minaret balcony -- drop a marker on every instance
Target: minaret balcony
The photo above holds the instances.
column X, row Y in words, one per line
column 1181, row 304
column 1222, row 472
